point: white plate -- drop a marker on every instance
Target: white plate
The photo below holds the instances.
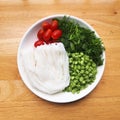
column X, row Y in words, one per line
column 63, row 97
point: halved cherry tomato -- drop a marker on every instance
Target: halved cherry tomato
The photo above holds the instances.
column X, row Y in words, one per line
column 40, row 34
column 38, row 43
column 47, row 35
column 54, row 25
column 46, row 25
column 50, row 41
column 56, row 34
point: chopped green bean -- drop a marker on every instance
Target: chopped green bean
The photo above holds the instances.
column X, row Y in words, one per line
column 82, row 72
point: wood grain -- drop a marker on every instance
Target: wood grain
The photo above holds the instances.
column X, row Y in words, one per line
column 17, row 101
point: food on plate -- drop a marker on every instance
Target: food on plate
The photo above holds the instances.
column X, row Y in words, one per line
column 56, row 34
column 47, row 67
column 85, row 53
column 79, row 39
column 54, row 25
column 38, row 43
column 48, row 33
column 64, row 58
column 82, row 72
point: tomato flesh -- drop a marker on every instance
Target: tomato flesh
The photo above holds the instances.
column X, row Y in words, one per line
column 40, row 33
column 54, row 25
column 56, row 34
column 46, row 25
column 47, row 35
column 38, row 43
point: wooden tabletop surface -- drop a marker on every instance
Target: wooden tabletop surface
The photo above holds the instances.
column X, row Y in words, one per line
column 17, row 102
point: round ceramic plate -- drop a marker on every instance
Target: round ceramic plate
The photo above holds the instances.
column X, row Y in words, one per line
column 62, row 97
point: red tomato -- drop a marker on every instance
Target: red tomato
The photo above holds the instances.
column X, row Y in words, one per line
column 38, row 43
column 47, row 35
column 56, row 34
column 46, row 25
column 40, row 34
column 50, row 41
column 54, row 25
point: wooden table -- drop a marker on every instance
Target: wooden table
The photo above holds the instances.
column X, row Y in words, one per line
column 17, row 102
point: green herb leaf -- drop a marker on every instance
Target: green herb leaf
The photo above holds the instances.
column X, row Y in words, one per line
column 78, row 39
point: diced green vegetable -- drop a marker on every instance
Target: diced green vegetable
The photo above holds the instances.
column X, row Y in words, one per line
column 81, row 75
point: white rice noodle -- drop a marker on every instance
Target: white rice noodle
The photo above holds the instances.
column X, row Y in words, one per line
column 47, row 67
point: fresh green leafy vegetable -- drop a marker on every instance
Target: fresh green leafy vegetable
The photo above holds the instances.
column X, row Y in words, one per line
column 78, row 39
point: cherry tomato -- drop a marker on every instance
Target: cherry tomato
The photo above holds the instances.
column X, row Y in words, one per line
column 38, row 43
column 46, row 25
column 47, row 35
column 40, row 34
column 54, row 25
column 50, row 41
column 56, row 34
